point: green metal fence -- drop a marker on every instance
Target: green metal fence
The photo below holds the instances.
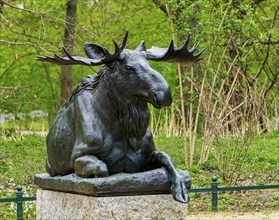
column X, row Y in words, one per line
column 214, row 189
column 19, row 199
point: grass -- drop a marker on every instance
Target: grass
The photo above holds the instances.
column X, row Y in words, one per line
column 21, row 158
column 261, row 167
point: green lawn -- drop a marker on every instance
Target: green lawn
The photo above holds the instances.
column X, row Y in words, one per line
column 21, row 158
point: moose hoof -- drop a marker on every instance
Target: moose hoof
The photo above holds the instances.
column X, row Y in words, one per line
column 90, row 166
column 101, row 170
column 179, row 190
column 180, row 185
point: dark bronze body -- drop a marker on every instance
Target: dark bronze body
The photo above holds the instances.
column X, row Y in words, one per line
column 103, row 127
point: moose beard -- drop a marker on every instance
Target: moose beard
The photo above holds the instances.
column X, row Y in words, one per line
column 133, row 116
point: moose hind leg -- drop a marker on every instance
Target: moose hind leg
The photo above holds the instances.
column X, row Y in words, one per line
column 90, row 166
column 49, row 168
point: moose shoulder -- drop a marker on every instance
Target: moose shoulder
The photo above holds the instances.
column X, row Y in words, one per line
column 102, row 129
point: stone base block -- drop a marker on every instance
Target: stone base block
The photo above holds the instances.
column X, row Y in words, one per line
column 53, row 205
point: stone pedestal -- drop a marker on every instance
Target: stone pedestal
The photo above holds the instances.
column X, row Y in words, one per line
column 53, row 205
column 144, row 195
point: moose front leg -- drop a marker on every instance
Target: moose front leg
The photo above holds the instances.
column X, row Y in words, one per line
column 90, row 166
column 180, row 181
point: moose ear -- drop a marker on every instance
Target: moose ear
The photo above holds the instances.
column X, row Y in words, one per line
column 95, row 51
column 141, row 47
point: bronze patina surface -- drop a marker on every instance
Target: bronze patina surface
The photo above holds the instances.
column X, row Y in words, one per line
column 102, row 129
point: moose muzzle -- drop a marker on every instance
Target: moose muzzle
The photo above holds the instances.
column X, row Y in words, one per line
column 162, row 98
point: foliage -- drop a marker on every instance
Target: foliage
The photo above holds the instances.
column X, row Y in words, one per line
column 225, row 101
column 235, row 88
column 221, row 105
column 259, row 167
column 22, row 158
column 29, row 28
column 13, row 98
column 261, row 162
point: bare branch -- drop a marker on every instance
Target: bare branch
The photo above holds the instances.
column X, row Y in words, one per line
column 161, row 6
column 264, row 62
column 24, row 44
column 41, row 14
column 12, row 63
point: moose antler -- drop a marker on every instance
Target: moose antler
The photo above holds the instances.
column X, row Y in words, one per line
column 97, row 55
column 171, row 54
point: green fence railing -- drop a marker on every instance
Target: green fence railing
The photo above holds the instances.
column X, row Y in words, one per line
column 19, row 199
column 214, row 189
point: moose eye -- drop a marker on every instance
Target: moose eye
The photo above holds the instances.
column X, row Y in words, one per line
column 130, row 69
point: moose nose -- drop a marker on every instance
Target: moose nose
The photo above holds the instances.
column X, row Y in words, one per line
column 163, row 98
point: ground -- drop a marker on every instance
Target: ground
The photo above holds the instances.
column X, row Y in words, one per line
column 273, row 215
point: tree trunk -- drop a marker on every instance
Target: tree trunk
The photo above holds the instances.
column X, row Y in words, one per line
column 66, row 71
column 1, row 7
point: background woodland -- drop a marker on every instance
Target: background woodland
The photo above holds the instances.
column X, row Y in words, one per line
column 224, row 100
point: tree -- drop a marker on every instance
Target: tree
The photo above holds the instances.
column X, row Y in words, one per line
column 180, row 29
column 229, row 92
column 69, row 36
column 33, row 28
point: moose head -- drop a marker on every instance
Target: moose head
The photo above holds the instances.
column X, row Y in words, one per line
column 131, row 67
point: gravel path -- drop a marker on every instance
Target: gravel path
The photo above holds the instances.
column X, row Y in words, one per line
column 234, row 216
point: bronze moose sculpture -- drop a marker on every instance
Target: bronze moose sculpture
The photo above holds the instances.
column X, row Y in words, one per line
column 102, row 129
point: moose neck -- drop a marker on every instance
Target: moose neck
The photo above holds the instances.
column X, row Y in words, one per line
column 128, row 116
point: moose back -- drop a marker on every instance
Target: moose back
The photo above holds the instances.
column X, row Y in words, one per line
column 102, row 129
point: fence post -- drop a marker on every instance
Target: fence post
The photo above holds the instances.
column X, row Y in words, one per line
column 19, row 195
column 214, row 194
